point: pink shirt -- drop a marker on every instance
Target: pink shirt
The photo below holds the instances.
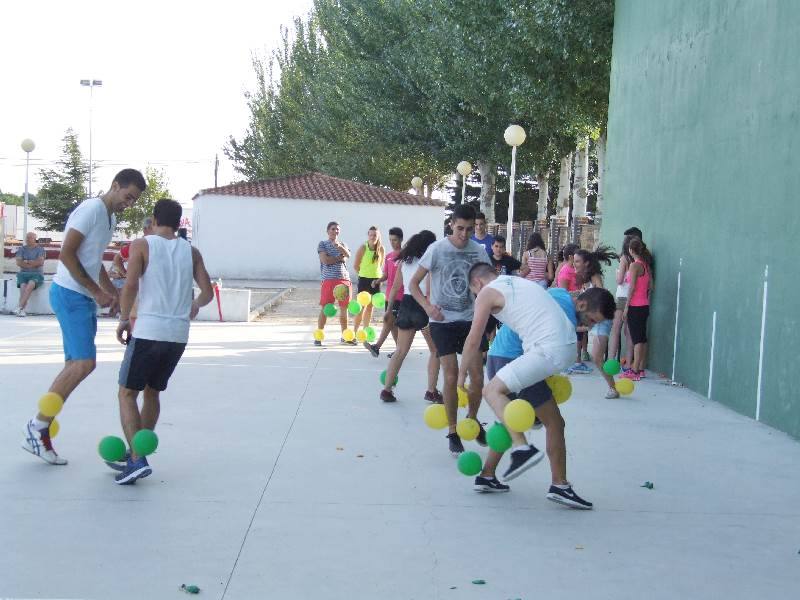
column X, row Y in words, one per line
column 638, row 295
column 390, row 268
column 568, row 276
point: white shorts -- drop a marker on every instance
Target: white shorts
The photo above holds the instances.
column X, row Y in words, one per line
column 533, row 367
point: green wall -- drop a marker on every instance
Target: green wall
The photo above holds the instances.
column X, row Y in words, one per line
column 703, row 156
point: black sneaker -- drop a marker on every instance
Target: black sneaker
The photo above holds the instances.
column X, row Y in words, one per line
column 481, row 439
column 317, row 343
column 537, row 424
column 487, row 484
column 389, row 355
column 521, row 461
column 387, row 396
column 350, row 343
column 373, row 349
column 568, row 497
column 456, row 447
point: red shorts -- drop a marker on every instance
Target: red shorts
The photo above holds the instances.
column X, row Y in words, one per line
column 326, row 292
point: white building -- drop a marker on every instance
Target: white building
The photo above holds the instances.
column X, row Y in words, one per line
column 270, row 229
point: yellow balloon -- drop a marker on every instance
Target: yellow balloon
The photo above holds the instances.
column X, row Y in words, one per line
column 364, row 298
column 468, row 429
column 50, row 404
column 624, row 386
column 463, row 398
column 561, row 387
column 361, row 336
column 435, row 416
column 319, row 335
column 54, row 428
column 348, row 335
column 519, row 415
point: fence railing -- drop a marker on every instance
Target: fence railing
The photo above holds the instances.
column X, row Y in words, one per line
column 556, row 233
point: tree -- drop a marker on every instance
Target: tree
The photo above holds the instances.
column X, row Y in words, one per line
column 14, row 200
column 62, row 188
column 130, row 221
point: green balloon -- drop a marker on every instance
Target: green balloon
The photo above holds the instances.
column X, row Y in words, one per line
column 111, row 448
column 145, row 442
column 469, row 463
column 383, row 378
column 371, row 335
column 379, row 299
column 329, row 310
column 498, row 438
column 354, row 307
column 611, row 366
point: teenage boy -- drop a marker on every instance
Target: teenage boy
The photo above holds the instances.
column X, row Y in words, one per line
column 481, row 236
column 333, row 255
column 502, row 261
column 548, row 342
column 30, row 259
column 450, row 312
column 79, row 286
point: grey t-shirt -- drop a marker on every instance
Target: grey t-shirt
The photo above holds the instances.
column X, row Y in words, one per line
column 34, row 253
column 449, row 267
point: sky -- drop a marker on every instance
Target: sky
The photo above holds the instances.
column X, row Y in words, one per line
column 174, row 77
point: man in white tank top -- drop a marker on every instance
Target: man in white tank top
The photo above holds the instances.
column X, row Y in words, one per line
column 161, row 268
column 548, row 343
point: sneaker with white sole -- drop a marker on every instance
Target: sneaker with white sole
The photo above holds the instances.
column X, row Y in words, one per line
column 612, row 394
column 119, row 465
column 134, row 469
column 579, row 369
column 522, row 460
column 20, row 312
column 373, row 349
column 489, row 484
column 455, row 444
column 568, row 497
column 39, row 444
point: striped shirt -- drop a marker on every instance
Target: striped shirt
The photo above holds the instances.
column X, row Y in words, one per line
column 538, row 267
column 335, row 271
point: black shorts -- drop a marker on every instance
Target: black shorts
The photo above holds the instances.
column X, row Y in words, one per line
column 637, row 323
column 410, row 315
column 365, row 285
column 449, row 338
column 536, row 394
column 149, row 363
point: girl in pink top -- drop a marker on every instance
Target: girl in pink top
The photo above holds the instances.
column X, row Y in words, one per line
column 567, row 277
column 637, row 311
column 390, row 271
column 536, row 266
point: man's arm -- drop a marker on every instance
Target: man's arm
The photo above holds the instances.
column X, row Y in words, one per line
column 69, row 257
column 203, row 282
column 344, row 249
column 326, row 259
column 486, row 301
column 137, row 263
column 433, row 311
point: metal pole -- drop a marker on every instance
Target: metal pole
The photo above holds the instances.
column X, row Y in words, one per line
column 25, row 207
column 463, row 189
column 91, row 87
column 510, row 226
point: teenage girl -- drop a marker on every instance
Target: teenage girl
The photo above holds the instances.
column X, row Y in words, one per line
column 411, row 317
column 536, row 265
column 369, row 261
column 619, row 326
column 638, row 310
column 566, row 277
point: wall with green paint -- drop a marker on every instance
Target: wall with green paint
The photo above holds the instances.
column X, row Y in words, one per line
column 703, row 156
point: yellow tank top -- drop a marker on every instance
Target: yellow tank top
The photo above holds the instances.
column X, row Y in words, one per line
column 368, row 268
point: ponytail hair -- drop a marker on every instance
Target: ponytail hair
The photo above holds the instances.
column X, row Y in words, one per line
column 640, row 248
column 416, row 246
column 379, row 251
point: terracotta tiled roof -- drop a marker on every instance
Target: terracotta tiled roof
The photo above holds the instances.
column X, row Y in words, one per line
column 316, row 186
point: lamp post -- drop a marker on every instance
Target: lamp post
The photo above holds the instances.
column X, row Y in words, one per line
column 28, row 146
column 464, row 168
column 416, row 183
column 91, row 84
column 514, row 136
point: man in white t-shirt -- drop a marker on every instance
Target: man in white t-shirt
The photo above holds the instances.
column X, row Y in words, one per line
column 80, row 285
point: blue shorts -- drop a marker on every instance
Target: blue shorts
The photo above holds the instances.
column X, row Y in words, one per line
column 602, row 328
column 77, row 316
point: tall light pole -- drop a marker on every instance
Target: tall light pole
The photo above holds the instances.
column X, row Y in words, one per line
column 91, row 84
column 464, row 168
column 28, row 146
column 514, row 136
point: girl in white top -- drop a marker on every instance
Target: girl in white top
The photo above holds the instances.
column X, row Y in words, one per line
column 618, row 324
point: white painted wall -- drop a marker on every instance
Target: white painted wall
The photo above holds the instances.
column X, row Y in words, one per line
column 275, row 238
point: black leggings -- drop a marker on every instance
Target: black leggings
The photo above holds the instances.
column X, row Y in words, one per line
column 637, row 323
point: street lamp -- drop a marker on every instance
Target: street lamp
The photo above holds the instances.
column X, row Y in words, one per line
column 514, row 136
column 416, row 183
column 28, row 146
column 91, row 84
column 464, row 168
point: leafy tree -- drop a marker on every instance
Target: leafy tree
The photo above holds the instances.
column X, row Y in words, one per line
column 14, row 200
column 130, row 221
column 62, row 188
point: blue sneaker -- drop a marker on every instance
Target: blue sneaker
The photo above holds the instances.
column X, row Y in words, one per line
column 579, row 369
column 133, row 470
column 119, row 465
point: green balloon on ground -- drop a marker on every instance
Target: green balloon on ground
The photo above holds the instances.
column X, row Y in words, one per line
column 470, row 463
column 111, row 448
column 498, row 438
column 145, row 442
column 379, row 300
column 329, row 310
column 354, row 307
column 371, row 335
column 612, row 366
column 383, row 378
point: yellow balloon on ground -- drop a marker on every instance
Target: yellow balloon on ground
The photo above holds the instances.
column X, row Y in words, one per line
column 435, row 416
column 319, row 335
column 463, row 397
column 361, row 336
column 561, row 387
column 624, row 386
column 54, row 428
column 364, row 298
column 50, row 404
column 519, row 415
column 468, row 429
column 348, row 335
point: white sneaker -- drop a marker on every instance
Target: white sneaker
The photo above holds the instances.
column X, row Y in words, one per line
column 20, row 312
column 612, row 394
column 39, row 444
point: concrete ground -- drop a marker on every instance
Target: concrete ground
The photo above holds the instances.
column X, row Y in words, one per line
column 281, row 475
